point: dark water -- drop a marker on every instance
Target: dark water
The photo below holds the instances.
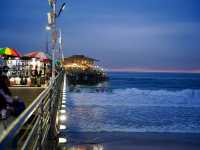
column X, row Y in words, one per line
column 168, row 81
column 137, row 102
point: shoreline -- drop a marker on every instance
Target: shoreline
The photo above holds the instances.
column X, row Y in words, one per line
column 134, row 140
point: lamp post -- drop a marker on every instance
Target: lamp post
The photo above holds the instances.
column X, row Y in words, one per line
column 52, row 16
column 61, row 55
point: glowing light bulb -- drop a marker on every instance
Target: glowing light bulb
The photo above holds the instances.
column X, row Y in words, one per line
column 62, row 127
column 63, row 117
column 62, row 140
column 63, row 111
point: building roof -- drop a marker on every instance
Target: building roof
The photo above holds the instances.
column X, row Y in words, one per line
column 74, row 57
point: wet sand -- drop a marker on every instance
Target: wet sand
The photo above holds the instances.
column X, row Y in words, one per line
column 131, row 141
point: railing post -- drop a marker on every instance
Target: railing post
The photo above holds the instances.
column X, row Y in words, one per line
column 41, row 112
column 53, row 133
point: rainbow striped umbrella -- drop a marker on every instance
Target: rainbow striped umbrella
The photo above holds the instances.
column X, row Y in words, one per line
column 9, row 52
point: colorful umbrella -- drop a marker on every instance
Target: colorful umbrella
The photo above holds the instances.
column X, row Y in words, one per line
column 40, row 55
column 9, row 52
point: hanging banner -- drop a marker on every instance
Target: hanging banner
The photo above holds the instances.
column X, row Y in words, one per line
column 51, row 18
column 54, row 38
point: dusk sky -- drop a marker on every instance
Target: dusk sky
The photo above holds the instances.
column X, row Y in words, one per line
column 123, row 34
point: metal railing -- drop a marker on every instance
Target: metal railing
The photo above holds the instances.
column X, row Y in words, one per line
column 31, row 129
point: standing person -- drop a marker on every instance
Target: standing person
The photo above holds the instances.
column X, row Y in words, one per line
column 5, row 94
column 39, row 78
column 36, row 71
column 35, row 75
column 4, row 81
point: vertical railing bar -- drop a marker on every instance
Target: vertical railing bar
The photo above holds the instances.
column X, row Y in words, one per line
column 30, row 135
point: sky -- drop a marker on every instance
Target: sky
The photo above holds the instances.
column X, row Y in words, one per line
column 144, row 35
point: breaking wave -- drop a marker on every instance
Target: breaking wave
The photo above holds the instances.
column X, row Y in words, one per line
column 134, row 110
column 138, row 97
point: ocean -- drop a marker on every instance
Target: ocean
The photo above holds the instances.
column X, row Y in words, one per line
column 137, row 102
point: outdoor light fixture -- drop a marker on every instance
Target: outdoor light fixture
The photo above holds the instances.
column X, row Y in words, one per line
column 61, row 9
column 63, row 117
column 62, row 140
column 63, row 106
column 62, row 127
column 63, row 111
column 48, row 28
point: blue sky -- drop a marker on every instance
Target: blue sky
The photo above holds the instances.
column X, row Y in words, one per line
column 123, row 34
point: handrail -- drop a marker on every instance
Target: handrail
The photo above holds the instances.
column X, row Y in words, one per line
column 24, row 116
column 37, row 109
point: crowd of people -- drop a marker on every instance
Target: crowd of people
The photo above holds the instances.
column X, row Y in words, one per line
column 9, row 105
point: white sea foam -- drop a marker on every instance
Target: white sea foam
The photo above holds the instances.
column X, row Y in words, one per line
column 137, row 97
column 134, row 110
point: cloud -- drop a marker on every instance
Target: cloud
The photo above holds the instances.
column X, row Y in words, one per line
column 127, row 33
column 130, row 45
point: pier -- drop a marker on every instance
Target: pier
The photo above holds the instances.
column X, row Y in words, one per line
column 99, row 75
column 38, row 126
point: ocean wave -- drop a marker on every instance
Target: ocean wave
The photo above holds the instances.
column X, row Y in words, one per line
column 138, row 97
column 134, row 110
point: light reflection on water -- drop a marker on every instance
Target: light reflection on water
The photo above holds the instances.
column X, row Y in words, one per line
column 133, row 119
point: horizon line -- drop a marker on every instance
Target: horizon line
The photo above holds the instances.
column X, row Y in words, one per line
column 153, row 70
